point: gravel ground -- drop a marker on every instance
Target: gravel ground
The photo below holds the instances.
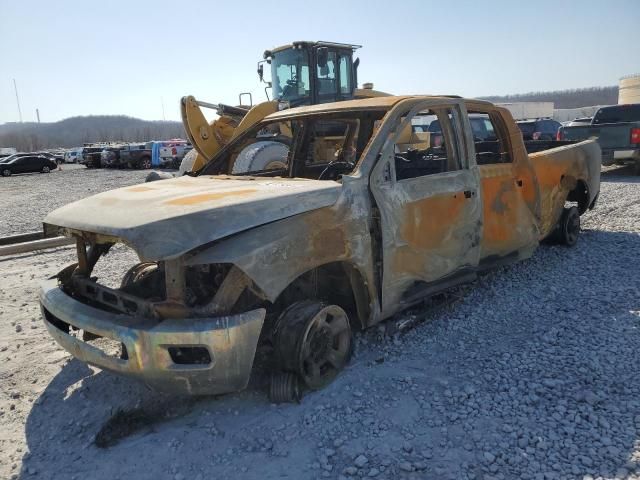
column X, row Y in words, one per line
column 32, row 196
column 531, row 373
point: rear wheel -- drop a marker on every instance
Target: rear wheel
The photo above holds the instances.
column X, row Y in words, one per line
column 313, row 340
column 568, row 227
column 6, row 172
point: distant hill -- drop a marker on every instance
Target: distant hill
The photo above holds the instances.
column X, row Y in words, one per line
column 75, row 131
column 580, row 97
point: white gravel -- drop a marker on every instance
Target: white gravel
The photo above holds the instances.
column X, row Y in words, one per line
column 532, row 373
column 26, row 199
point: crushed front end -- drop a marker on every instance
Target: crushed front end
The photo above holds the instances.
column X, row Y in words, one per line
column 178, row 329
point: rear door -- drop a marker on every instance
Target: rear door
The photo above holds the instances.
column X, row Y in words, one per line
column 426, row 190
column 509, row 192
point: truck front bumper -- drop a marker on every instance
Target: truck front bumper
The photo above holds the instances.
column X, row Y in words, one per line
column 199, row 356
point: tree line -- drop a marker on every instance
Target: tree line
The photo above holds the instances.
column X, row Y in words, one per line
column 76, row 131
column 574, row 98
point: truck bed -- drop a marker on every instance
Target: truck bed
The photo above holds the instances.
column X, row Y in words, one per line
column 572, row 167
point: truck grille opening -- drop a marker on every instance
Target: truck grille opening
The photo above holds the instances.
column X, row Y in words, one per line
column 190, row 355
column 111, row 347
column 55, row 321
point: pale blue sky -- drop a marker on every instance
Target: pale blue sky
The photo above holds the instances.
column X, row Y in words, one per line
column 120, row 57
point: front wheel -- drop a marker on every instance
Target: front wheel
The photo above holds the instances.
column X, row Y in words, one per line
column 46, row 169
column 313, row 340
column 145, row 163
column 568, row 227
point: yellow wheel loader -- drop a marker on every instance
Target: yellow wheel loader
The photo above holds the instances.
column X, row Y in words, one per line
column 302, row 73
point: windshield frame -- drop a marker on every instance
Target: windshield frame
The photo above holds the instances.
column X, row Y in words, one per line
column 213, row 166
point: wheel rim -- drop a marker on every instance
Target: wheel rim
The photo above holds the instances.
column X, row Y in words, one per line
column 275, row 164
column 6, row 173
column 146, row 164
column 325, row 346
column 573, row 229
column 138, row 272
column 45, row 169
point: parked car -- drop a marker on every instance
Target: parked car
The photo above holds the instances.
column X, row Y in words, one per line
column 577, row 121
column 91, row 156
column 539, row 129
column 110, row 157
column 30, row 163
column 137, row 155
column 55, row 157
column 14, row 156
column 617, row 129
column 173, row 152
column 297, row 243
column 74, row 155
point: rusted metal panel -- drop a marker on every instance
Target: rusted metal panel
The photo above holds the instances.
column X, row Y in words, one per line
column 558, row 171
column 508, row 223
column 276, row 254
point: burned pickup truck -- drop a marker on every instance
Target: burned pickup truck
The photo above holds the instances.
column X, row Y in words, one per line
column 352, row 217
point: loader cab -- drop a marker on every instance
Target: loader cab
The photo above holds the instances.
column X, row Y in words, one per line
column 307, row 73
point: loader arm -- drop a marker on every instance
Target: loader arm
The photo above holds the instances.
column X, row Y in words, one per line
column 209, row 138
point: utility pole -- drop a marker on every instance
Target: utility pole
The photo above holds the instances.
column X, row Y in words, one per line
column 162, row 102
column 15, row 87
column 38, row 115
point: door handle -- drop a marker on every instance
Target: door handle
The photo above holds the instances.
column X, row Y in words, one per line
column 519, row 183
column 469, row 193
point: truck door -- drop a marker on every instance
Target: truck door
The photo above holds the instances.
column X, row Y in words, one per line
column 510, row 197
column 425, row 185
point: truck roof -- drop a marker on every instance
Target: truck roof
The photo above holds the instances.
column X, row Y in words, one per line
column 374, row 103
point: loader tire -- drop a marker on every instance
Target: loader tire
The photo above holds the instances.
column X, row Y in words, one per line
column 264, row 155
column 186, row 165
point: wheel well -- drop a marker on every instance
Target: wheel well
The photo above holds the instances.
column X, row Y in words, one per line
column 339, row 283
column 580, row 195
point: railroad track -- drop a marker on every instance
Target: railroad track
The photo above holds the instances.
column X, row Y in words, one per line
column 29, row 242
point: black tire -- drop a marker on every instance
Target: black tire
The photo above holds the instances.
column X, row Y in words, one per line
column 636, row 167
column 145, row 163
column 6, row 172
column 568, row 228
column 313, row 340
column 45, row 169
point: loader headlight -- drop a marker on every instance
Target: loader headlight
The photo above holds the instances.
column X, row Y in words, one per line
column 283, row 105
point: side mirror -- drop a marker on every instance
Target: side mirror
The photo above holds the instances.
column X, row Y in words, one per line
column 260, row 71
column 322, row 54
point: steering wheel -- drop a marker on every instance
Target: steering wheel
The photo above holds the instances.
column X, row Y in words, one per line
column 334, row 165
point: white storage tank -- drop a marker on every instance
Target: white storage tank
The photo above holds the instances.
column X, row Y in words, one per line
column 629, row 89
